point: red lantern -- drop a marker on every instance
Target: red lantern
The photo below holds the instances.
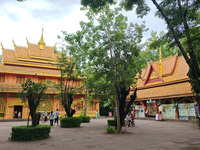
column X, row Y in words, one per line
column 155, row 103
column 141, row 104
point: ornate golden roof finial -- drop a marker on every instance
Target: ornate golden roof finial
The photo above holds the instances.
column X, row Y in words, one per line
column 41, row 42
column 2, row 46
column 55, row 45
column 27, row 40
column 161, row 58
column 14, row 43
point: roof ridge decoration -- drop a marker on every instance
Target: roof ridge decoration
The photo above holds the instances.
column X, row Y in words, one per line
column 2, row 46
column 41, row 42
column 160, row 58
column 27, row 41
column 152, row 74
column 14, row 43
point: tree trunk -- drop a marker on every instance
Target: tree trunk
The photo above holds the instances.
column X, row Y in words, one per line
column 34, row 117
column 85, row 109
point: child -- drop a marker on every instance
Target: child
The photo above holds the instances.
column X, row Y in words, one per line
column 51, row 118
column 96, row 114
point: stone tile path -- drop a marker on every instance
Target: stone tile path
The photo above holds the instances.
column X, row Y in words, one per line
column 146, row 135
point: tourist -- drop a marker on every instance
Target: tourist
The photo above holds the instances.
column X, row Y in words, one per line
column 56, row 116
column 19, row 114
column 15, row 114
column 45, row 116
column 42, row 117
column 128, row 120
column 132, row 118
column 51, row 116
column 96, row 114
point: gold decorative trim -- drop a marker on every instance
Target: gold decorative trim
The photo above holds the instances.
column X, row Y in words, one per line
column 37, row 57
column 29, row 73
column 36, row 60
column 32, row 65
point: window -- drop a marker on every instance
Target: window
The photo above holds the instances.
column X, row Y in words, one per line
column 2, row 78
column 20, row 79
column 41, row 80
column 93, row 107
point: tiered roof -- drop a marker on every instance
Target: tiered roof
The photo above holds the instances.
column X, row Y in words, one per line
column 165, row 78
column 33, row 59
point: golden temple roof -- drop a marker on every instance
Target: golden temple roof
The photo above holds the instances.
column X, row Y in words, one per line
column 32, row 55
column 166, row 78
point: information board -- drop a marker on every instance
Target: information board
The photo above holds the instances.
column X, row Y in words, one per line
column 186, row 110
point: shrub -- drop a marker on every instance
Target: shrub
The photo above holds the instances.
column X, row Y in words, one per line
column 24, row 133
column 110, row 129
column 112, row 122
column 69, row 122
column 84, row 119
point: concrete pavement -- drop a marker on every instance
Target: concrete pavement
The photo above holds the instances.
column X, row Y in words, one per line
column 146, row 135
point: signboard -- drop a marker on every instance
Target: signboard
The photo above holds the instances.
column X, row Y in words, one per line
column 169, row 112
column 139, row 111
column 186, row 110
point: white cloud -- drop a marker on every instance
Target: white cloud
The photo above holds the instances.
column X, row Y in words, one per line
column 25, row 19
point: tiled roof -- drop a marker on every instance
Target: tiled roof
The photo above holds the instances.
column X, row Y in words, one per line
column 174, row 79
column 21, row 52
column 47, row 52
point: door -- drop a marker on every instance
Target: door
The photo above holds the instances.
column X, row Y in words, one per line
column 17, row 111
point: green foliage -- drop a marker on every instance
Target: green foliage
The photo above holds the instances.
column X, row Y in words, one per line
column 24, row 133
column 96, row 4
column 68, row 78
column 111, row 122
column 69, row 122
column 110, row 129
column 84, row 119
column 34, row 93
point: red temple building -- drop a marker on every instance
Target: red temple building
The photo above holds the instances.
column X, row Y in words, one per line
column 164, row 88
column 33, row 62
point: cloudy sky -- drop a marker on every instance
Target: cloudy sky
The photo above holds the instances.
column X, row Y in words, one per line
column 26, row 19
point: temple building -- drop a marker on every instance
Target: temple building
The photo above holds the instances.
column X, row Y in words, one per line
column 164, row 88
column 33, row 62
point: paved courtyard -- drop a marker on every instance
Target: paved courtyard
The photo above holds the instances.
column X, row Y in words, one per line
column 146, row 135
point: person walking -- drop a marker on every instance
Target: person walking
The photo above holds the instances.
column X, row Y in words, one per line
column 42, row 117
column 19, row 114
column 15, row 114
column 56, row 116
column 96, row 114
column 51, row 116
column 45, row 116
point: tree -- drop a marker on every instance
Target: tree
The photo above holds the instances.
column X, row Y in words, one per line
column 151, row 50
column 113, row 51
column 180, row 16
column 68, row 77
column 34, row 93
